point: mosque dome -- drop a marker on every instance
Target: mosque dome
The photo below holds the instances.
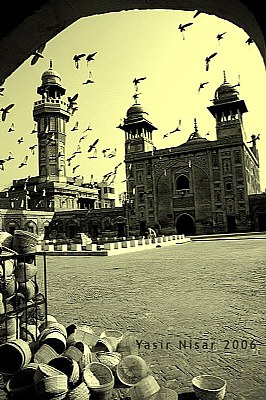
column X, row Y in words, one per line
column 226, row 92
column 135, row 111
column 51, row 77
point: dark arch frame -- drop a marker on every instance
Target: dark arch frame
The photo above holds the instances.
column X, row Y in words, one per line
column 36, row 24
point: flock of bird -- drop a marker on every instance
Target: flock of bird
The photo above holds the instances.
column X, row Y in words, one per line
column 92, row 149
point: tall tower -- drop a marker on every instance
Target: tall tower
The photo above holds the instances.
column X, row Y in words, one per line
column 227, row 110
column 138, row 130
column 51, row 114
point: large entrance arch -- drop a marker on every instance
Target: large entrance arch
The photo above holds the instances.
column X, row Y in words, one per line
column 34, row 25
column 185, row 224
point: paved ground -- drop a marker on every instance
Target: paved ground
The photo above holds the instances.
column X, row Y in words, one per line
column 198, row 293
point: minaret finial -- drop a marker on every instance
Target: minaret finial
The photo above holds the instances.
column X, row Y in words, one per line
column 195, row 126
column 51, row 64
column 225, row 81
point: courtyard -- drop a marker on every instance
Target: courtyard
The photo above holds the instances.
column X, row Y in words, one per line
column 193, row 308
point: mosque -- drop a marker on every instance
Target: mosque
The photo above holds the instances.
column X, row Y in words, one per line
column 198, row 187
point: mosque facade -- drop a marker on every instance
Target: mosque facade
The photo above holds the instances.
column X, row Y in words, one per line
column 199, row 187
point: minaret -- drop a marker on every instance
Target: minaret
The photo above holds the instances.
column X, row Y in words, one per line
column 138, row 130
column 227, row 109
column 51, row 114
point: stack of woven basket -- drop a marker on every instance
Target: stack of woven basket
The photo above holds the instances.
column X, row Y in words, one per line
column 20, row 299
column 74, row 363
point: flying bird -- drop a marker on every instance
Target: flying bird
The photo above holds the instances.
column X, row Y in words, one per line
column 175, row 130
column 183, row 27
column 72, row 100
column 112, row 154
column 70, row 159
column 220, row 36
column 92, row 146
column 72, row 103
column 78, row 151
column 254, row 138
column 94, row 154
column 137, row 80
column 135, row 96
column 201, row 86
column 34, row 130
column 104, row 151
column 89, row 80
column 82, row 138
column 249, row 41
column 20, row 140
column 77, row 58
column 75, row 127
column 37, row 55
column 1, row 90
column 24, row 162
column 208, row 59
column 6, row 110
column 74, row 168
column 90, row 57
column 31, row 148
column 2, row 162
column 88, row 129
column 11, row 128
column 10, row 156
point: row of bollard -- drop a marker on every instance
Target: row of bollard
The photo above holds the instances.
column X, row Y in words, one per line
column 117, row 245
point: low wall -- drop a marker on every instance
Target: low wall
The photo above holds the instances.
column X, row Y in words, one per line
column 111, row 248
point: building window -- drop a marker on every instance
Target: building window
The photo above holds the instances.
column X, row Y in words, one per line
column 52, row 124
column 227, row 165
column 217, row 196
column 228, row 186
column 240, row 193
column 237, row 156
column 42, row 125
column 182, row 183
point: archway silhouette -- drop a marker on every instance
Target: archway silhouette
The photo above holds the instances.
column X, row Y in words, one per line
column 34, row 25
column 185, row 224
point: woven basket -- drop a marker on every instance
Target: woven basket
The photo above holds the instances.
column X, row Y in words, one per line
column 143, row 389
column 209, row 387
column 44, row 354
column 15, row 305
column 6, row 268
column 25, row 242
column 86, row 357
column 8, row 327
column 29, row 289
column 8, row 286
column 25, row 271
column 80, row 392
column 110, row 359
column 21, row 385
column 67, row 366
column 14, row 356
column 6, row 239
column 131, row 369
column 85, row 333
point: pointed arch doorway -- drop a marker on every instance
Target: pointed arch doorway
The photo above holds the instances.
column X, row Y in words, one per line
column 185, row 224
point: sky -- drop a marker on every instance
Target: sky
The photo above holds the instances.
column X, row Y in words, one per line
column 133, row 44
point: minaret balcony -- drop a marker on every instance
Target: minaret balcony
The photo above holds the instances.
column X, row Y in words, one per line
column 51, row 105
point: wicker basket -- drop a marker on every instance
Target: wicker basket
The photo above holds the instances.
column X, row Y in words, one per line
column 25, row 242
column 209, row 387
column 69, row 367
column 14, row 356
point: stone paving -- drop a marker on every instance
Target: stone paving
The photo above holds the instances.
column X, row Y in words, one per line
column 205, row 299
